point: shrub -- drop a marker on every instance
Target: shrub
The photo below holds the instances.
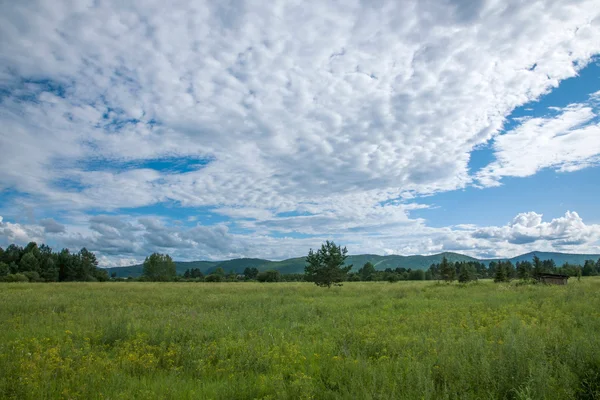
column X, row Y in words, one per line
column 268, row 276
column 18, row 277
column 33, row 276
column 213, row 278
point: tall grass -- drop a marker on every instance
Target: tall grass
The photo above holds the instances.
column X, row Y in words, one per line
column 408, row 340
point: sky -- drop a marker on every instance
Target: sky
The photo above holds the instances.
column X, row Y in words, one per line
column 212, row 130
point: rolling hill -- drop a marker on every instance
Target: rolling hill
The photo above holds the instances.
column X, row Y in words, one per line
column 296, row 265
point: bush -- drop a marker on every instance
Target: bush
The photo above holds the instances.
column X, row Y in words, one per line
column 213, row 278
column 268, row 276
column 33, row 276
column 18, row 277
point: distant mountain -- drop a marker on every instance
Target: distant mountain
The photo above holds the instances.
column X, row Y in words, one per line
column 559, row 258
column 296, row 265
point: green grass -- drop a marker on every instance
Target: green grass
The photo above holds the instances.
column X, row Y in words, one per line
column 407, row 340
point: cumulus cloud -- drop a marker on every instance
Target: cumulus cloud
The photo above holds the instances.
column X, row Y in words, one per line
column 526, row 228
column 313, row 117
column 19, row 233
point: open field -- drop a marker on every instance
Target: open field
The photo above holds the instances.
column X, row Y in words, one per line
column 294, row 340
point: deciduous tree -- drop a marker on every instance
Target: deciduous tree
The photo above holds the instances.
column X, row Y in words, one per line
column 159, row 267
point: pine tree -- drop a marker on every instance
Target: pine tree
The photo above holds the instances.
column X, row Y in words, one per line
column 447, row 270
column 325, row 267
column 500, row 274
column 467, row 273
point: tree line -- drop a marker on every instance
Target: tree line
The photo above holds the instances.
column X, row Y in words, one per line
column 505, row 270
column 325, row 267
column 34, row 263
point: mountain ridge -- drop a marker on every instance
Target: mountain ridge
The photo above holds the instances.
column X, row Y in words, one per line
column 296, row 264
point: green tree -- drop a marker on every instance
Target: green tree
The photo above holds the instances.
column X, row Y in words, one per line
column 416, row 275
column 219, row 271
column 66, row 263
column 4, row 270
column 250, row 272
column 509, row 270
column 85, row 270
column 325, row 267
column 549, row 266
column 538, row 268
column 429, row 275
column 159, row 267
column 524, row 269
column 213, row 278
column 29, row 263
column 589, row 268
column 49, row 269
column 447, row 270
column 12, row 254
column 367, row 271
column 197, row 274
column 269, row 276
column 100, row 274
column 466, row 273
column 500, row 273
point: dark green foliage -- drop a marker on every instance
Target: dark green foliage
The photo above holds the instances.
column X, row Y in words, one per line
column 367, row 272
column 504, row 271
column 447, row 270
column 214, row 278
column 86, row 265
column 466, row 273
column 269, row 276
column 40, row 264
column 18, row 277
column 29, row 263
column 193, row 273
column 524, row 269
column 250, row 272
column 589, row 268
column 325, row 267
column 548, row 266
column 159, row 267
column 538, row 268
column 4, row 269
column 100, row 274
column 416, row 275
column 33, row 276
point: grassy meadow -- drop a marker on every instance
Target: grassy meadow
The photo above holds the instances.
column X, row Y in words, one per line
column 407, row 340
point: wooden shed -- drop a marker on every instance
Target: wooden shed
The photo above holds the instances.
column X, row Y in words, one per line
column 553, row 279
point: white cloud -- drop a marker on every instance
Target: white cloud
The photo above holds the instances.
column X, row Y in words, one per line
column 324, row 110
column 567, row 142
column 560, row 233
column 120, row 240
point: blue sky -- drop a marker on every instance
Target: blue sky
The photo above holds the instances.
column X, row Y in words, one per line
column 262, row 130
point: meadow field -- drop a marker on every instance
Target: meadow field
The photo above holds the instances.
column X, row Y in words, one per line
column 371, row 340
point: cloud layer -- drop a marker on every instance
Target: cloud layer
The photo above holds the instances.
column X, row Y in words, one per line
column 122, row 240
column 313, row 118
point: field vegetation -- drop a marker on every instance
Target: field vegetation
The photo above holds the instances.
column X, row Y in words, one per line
column 249, row 340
